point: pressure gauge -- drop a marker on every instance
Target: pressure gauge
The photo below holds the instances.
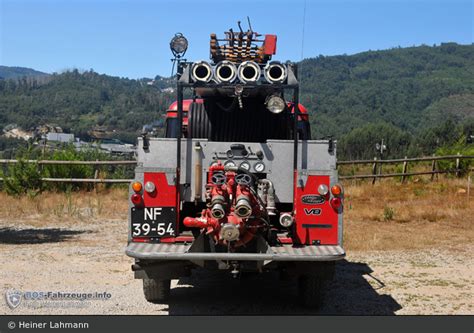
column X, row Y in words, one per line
column 259, row 167
column 245, row 165
column 229, row 164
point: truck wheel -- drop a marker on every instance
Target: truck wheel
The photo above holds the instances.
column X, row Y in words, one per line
column 156, row 291
column 310, row 291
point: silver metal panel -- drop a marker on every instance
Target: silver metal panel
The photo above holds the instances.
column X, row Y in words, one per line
column 279, row 253
column 161, row 153
column 278, row 160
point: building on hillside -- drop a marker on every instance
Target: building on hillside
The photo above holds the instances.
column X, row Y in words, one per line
column 60, row 137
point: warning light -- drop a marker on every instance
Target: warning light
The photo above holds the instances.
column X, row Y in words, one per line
column 137, row 186
column 336, row 190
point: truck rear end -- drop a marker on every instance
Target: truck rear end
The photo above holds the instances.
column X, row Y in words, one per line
column 237, row 184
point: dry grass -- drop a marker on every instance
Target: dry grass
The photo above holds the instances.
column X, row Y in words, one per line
column 391, row 216
column 39, row 211
column 384, row 216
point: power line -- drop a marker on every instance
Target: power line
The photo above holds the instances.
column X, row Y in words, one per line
column 302, row 34
column 302, row 42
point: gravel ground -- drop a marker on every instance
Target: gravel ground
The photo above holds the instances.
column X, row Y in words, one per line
column 89, row 257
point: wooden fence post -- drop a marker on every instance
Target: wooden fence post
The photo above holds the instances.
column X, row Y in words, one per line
column 374, row 170
column 468, row 185
column 96, row 175
column 354, row 181
column 405, row 166
column 433, row 169
column 457, row 165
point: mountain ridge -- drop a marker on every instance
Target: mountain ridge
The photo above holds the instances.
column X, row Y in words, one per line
column 17, row 72
column 411, row 89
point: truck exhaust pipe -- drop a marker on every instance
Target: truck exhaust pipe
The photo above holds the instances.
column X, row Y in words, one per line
column 275, row 72
column 201, row 71
column 249, row 72
column 225, row 72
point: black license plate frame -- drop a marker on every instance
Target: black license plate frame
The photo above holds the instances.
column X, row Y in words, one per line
column 153, row 222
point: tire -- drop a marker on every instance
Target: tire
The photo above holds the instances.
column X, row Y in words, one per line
column 156, row 291
column 310, row 291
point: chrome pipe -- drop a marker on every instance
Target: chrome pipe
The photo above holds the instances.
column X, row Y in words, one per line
column 266, row 191
column 249, row 72
column 225, row 72
column 201, row 71
column 275, row 72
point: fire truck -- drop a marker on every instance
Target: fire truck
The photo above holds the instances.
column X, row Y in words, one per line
column 236, row 183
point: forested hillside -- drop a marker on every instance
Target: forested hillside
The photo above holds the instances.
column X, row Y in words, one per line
column 19, row 72
column 416, row 99
column 79, row 102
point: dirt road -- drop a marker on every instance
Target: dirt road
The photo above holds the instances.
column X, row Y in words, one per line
column 88, row 256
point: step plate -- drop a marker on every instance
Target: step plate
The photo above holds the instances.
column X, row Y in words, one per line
column 277, row 253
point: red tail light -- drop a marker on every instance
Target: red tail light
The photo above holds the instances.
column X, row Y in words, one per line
column 336, row 203
column 136, row 199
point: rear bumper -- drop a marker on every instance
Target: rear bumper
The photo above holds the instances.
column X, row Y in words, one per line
column 275, row 253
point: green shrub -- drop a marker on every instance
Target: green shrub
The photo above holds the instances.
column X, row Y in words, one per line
column 23, row 177
column 67, row 171
column 461, row 148
column 388, row 213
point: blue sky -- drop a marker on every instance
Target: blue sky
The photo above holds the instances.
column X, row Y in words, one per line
column 131, row 38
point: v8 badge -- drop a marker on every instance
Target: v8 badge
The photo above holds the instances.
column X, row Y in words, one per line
column 312, row 211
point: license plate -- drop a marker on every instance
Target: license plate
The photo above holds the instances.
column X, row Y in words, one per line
column 153, row 222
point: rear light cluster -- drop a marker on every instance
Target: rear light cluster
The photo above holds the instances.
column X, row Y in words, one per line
column 137, row 187
column 337, row 192
column 136, row 197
